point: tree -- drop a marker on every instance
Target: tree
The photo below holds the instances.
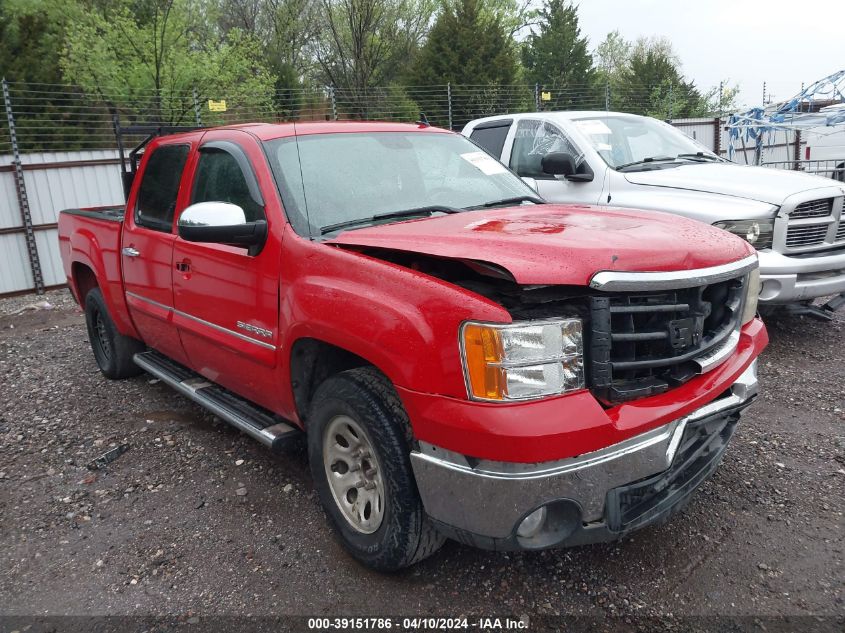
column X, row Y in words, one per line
column 149, row 57
column 286, row 30
column 557, row 58
column 366, row 44
column 466, row 45
column 652, row 83
column 613, row 54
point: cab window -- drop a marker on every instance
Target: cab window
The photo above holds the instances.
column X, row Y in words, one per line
column 220, row 178
column 534, row 139
column 160, row 187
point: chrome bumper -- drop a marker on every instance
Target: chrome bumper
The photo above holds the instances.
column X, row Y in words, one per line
column 792, row 279
column 483, row 503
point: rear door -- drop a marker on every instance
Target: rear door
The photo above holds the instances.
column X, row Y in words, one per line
column 147, row 244
column 227, row 300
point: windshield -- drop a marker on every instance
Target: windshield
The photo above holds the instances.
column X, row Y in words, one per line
column 630, row 141
column 334, row 181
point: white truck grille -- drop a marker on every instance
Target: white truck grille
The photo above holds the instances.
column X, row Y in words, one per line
column 814, row 225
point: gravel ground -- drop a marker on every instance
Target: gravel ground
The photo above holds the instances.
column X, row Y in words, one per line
column 196, row 518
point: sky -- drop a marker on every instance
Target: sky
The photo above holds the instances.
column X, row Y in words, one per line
column 745, row 42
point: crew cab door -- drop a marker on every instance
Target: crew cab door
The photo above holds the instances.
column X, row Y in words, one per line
column 531, row 140
column 226, row 299
column 147, row 244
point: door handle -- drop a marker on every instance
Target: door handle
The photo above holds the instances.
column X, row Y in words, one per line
column 183, row 267
column 130, row 252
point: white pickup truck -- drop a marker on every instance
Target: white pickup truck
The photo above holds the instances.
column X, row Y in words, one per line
column 794, row 220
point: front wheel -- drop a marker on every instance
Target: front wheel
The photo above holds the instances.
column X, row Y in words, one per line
column 359, row 451
column 112, row 350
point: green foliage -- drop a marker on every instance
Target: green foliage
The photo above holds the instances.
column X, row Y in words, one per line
column 367, row 43
column 156, row 53
column 466, row 45
column 612, row 56
column 556, row 57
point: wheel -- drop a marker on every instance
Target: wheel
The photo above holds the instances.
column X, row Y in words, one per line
column 359, row 443
column 112, row 351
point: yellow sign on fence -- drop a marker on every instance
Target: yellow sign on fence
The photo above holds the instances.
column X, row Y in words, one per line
column 217, row 106
column 545, row 96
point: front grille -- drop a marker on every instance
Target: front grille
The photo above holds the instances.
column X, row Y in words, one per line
column 813, row 209
column 806, row 235
column 645, row 343
column 840, row 232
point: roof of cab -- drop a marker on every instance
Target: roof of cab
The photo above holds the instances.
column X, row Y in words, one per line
column 270, row 131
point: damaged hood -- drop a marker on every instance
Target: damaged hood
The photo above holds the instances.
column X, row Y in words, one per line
column 558, row 244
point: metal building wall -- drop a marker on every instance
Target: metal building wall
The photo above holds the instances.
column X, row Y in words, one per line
column 72, row 179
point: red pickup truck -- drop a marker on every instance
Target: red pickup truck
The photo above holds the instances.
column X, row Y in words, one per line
column 465, row 360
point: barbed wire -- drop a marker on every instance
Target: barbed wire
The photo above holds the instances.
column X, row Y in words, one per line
column 56, row 117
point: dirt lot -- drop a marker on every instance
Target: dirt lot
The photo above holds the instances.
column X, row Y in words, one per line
column 164, row 530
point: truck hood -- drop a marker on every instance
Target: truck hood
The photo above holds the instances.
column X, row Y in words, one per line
column 742, row 181
column 558, row 244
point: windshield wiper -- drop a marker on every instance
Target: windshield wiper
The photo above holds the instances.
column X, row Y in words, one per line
column 392, row 215
column 505, row 201
column 700, row 156
column 646, row 161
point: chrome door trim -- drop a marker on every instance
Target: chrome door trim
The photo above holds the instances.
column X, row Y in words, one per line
column 214, row 326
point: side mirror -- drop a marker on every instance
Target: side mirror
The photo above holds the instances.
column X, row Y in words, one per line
column 221, row 223
column 558, row 164
column 563, row 164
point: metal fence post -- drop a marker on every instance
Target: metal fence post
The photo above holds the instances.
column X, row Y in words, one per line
column 607, row 96
column 537, row 97
column 333, row 102
column 670, row 102
column 197, row 115
column 797, row 149
column 449, row 101
column 23, row 200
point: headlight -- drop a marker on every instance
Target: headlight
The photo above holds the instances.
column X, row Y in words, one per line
column 531, row 359
column 752, row 293
column 758, row 233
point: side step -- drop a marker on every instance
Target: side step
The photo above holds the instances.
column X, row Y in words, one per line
column 258, row 423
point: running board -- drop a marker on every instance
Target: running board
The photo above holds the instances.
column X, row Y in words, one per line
column 256, row 422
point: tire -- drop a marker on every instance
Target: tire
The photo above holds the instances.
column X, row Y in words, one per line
column 361, row 403
column 112, row 350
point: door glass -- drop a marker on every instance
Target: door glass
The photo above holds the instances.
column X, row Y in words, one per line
column 220, row 179
column 160, row 187
column 492, row 138
column 534, row 139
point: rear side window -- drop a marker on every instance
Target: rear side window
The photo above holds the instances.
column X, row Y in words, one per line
column 491, row 137
column 220, row 179
column 160, row 187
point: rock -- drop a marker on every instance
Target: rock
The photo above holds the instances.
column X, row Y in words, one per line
column 287, row 488
column 238, row 462
column 241, row 492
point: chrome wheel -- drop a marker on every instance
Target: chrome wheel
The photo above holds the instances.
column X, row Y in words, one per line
column 354, row 474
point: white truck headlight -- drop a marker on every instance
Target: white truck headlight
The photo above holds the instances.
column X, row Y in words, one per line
column 524, row 360
column 758, row 233
column 752, row 294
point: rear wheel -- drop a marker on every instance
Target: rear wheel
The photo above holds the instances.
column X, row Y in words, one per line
column 359, row 442
column 112, row 350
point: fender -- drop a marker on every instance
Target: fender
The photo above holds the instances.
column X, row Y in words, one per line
column 332, row 296
column 88, row 249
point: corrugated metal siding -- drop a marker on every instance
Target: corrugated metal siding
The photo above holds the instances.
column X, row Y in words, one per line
column 50, row 190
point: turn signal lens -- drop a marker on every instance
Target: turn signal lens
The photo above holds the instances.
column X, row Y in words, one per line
column 522, row 361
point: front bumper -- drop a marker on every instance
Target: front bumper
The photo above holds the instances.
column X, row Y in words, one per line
column 793, row 279
column 597, row 496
